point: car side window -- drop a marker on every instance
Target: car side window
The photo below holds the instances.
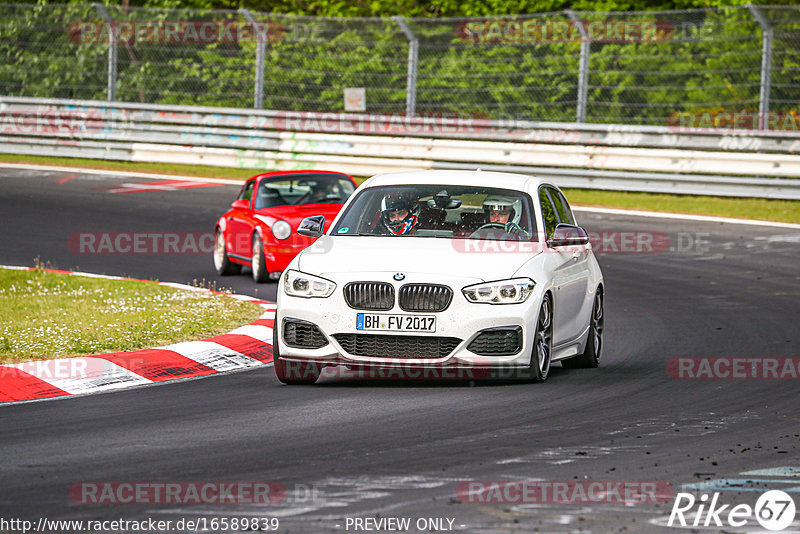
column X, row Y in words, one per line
column 247, row 191
column 562, row 208
column 548, row 212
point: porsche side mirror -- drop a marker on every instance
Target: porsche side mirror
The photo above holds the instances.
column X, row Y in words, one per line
column 568, row 235
column 241, row 204
column 312, row 226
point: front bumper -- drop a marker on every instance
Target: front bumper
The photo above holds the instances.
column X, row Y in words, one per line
column 278, row 256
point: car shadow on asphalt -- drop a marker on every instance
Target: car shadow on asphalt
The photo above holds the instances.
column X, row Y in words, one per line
column 622, row 371
column 370, row 379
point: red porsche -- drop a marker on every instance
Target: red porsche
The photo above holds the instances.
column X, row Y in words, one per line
column 260, row 229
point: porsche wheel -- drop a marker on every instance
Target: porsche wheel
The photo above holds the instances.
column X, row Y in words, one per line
column 594, row 345
column 222, row 263
column 258, row 263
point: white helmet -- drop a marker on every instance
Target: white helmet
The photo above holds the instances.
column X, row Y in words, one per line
column 503, row 203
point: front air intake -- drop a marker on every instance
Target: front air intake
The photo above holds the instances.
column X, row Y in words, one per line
column 397, row 347
column 503, row 341
column 302, row 334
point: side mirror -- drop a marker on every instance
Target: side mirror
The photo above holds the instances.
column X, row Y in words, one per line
column 568, row 235
column 312, row 226
column 241, row 204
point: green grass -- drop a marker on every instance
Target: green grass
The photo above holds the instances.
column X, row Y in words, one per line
column 45, row 315
column 740, row 208
column 737, row 208
column 200, row 171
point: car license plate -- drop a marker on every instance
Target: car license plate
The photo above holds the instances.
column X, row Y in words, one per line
column 395, row 323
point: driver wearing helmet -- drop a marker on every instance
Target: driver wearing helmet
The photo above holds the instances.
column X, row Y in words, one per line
column 318, row 192
column 503, row 212
column 400, row 213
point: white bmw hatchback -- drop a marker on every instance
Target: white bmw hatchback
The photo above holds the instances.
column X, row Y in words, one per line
column 442, row 274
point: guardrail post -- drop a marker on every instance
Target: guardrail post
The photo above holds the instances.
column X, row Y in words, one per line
column 413, row 55
column 766, row 65
column 260, row 29
column 112, row 51
column 583, row 66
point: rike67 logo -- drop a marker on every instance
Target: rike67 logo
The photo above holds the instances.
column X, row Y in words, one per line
column 774, row 510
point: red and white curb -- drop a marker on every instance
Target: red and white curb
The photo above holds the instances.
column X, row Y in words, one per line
column 242, row 348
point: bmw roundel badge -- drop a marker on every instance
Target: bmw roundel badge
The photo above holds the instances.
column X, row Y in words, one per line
column 399, row 276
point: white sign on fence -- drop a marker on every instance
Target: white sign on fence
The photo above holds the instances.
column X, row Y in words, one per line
column 355, row 99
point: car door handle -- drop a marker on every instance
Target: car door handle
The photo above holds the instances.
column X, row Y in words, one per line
column 575, row 254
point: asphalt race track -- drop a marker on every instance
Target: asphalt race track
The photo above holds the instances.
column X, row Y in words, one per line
column 348, row 448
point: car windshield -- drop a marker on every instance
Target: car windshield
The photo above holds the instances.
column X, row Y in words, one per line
column 443, row 211
column 296, row 189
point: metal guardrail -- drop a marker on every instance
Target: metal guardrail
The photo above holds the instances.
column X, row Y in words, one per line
column 762, row 164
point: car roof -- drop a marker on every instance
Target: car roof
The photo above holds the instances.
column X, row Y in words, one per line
column 272, row 174
column 503, row 180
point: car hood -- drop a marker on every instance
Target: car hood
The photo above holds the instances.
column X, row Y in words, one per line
column 492, row 260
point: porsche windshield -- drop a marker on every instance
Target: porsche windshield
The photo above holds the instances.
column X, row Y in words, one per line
column 446, row 211
column 296, row 189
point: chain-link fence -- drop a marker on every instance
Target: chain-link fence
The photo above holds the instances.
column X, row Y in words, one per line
column 695, row 67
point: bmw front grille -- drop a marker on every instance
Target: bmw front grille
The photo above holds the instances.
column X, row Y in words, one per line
column 424, row 297
column 374, row 296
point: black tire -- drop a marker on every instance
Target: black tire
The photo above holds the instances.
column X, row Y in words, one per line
column 222, row 263
column 258, row 262
column 292, row 374
column 594, row 345
column 542, row 350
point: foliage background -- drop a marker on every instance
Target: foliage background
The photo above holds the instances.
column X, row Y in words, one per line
column 708, row 63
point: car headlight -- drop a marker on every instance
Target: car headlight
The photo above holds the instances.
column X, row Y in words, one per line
column 511, row 291
column 297, row 284
column 281, row 230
